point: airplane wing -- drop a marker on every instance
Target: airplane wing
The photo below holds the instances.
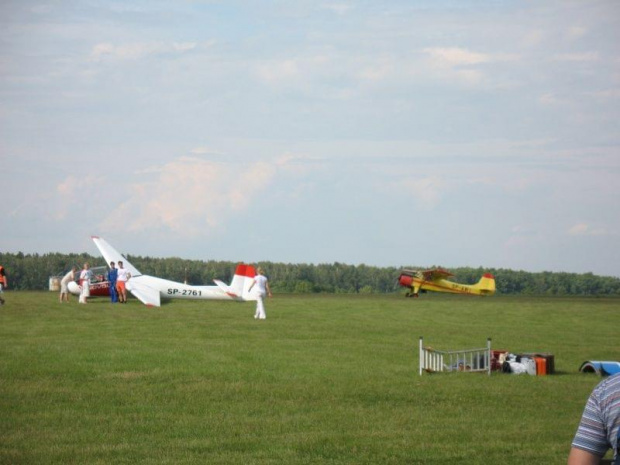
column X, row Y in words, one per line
column 112, row 255
column 149, row 296
column 437, row 273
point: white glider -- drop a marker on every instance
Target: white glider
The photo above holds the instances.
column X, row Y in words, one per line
column 150, row 289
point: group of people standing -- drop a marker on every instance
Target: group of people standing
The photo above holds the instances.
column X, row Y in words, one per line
column 117, row 277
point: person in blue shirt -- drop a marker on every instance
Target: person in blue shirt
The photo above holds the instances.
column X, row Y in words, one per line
column 112, row 275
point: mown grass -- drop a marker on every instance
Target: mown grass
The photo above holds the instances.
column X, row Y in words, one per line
column 325, row 379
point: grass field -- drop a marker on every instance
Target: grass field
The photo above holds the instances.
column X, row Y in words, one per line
column 325, row 379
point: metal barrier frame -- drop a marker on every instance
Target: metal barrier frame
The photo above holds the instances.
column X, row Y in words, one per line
column 466, row 360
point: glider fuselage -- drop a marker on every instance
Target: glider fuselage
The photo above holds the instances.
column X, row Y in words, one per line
column 151, row 289
column 176, row 290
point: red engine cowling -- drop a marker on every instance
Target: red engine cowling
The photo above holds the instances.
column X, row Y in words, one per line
column 405, row 280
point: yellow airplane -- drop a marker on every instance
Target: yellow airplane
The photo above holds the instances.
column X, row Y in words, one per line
column 435, row 280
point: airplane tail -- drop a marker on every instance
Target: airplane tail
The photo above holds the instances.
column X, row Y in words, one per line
column 240, row 284
column 244, row 276
column 486, row 285
column 112, row 255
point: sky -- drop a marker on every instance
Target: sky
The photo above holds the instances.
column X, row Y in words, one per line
column 454, row 133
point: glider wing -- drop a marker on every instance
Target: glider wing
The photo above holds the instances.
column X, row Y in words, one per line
column 112, row 255
column 149, row 296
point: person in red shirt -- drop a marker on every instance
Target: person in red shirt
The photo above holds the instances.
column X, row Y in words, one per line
column 3, row 284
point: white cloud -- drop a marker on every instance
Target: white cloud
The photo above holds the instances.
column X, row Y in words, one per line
column 605, row 94
column 101, row 50
column 42, row 9
column 338, row 8
column 578, row 57
column 583, row 229
column 425, row 192
column 470, row 76
column 377, row 71
column 460, row 64
column 135, row 51
column 278, row 70
column 551, row 99
column 204, row 151
column 74, row 194
column 299, row 70
column 533, row 38
column 456, row 56
column 298, row 164
column 191, row 196
column 521, row 230
column 183, row 46
column 577, row 32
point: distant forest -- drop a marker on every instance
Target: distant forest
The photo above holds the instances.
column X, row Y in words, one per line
column 33, row 271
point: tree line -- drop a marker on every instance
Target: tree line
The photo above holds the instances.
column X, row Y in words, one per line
column 33, row 271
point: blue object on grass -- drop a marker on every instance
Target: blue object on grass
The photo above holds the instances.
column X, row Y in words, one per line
column 600, row 368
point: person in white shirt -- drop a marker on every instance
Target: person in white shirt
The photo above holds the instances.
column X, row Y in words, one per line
column 121, row 280
column 64, row 282
column 85, row 276
column 262, row 287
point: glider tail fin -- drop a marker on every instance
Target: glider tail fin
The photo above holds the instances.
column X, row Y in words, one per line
column 242, row 280
column 486, row 285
